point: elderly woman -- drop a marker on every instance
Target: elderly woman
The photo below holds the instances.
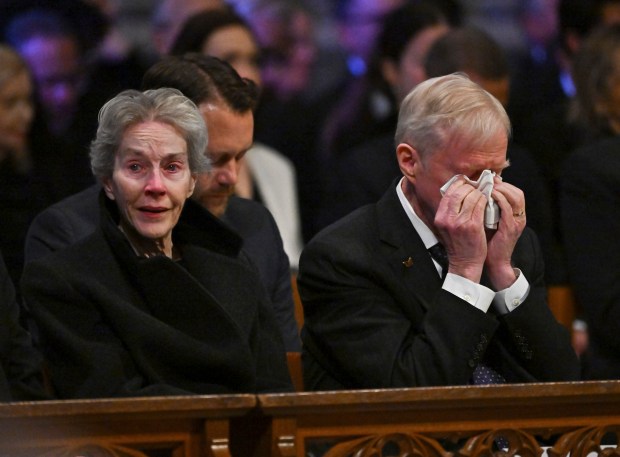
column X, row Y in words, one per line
column 160, row 300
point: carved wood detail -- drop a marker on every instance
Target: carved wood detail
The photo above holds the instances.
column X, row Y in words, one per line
column 586, row 440
column 516, row 442
column 577, row 443
column 408, row 444
column 93, row 450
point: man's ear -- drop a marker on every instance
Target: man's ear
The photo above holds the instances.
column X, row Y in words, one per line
column 408, row 160
column 106, row 183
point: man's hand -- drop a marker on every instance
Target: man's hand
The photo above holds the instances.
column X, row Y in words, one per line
column 502, row 242
column 460, row 222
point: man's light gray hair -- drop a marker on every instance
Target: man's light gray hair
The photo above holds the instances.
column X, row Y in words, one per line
column 132, row 107
column 439, row 109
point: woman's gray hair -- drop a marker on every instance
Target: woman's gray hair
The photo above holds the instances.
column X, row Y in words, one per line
column 132, row 107
column 441, row 108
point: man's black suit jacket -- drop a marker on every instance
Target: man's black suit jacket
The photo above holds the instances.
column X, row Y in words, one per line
column 376, row 315
column 76, row 217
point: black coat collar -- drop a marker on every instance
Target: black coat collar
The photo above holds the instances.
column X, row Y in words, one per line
column 196, row 226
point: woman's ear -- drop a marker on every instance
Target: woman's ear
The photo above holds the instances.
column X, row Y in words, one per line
column 408, row 160
column 108, row 187
column 192, row 185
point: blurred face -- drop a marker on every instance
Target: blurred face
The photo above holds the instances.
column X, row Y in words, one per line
column 170, row 17
column 359, row 33
column 16, row 112
column 235, row 45
column 55, row 66
column 230, row 136
column 151, row 181
column 409, row 72
column 540, row 21
column 459, row 157
column 288, row 50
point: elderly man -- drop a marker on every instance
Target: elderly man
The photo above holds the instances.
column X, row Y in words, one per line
column 377, row 311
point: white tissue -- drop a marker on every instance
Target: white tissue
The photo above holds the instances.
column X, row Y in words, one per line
column 485, row 185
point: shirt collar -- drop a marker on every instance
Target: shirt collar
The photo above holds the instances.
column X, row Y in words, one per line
column 428, row 237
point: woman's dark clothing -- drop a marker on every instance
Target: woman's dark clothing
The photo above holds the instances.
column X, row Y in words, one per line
column 20, row 363
column 114, row 324
column 590, row 203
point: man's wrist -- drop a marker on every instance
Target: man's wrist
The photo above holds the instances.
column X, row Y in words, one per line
column 503, row 277
column 471, row 272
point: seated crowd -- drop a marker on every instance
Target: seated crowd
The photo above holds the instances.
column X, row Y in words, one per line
column 170, row 269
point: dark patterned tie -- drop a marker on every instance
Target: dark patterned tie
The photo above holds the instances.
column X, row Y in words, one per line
column 438, row 252
column 484, row 374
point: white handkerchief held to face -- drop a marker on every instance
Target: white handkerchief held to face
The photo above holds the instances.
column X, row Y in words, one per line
column 484, row 185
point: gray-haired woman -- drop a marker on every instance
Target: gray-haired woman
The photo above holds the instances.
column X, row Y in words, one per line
column 160, row 300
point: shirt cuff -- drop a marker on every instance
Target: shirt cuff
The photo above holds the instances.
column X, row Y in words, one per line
column 473, row 293
column 509, row 299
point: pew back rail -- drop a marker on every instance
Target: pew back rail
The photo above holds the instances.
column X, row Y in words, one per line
column 445, row 421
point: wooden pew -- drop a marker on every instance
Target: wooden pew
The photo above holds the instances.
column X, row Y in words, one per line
column 568, row 418
column 136, row 427
column 445, row 421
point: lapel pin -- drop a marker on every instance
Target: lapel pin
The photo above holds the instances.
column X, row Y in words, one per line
column 407, row 263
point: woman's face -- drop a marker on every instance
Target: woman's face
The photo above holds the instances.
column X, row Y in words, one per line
column 16, row 112
column 236, row 45
column 151, row 180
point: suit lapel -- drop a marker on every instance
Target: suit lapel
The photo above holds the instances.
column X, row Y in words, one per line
column 407, row 257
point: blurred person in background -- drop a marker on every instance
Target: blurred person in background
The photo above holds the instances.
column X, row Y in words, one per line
column 359, row 166
column 30, row 177
column 540, row 105
column 590, row 200
column 170, row 15
column 67, row 102
column 21, row 365
column 296, row 90
column 263, row 174
column 358, row 24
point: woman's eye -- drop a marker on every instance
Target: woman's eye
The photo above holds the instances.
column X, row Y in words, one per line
column 135, row 167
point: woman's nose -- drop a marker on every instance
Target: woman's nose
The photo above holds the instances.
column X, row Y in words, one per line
column 155, row 183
